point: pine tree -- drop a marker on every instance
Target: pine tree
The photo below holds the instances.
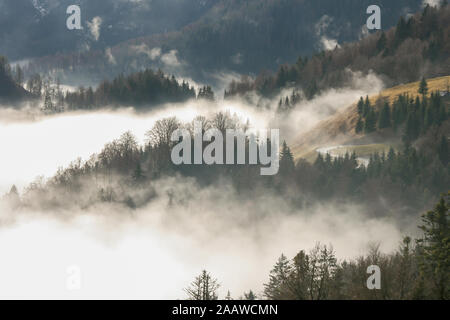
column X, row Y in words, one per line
column 18, row 77
column 370, row 123
column 384, row 119
column 423, row 87
column 249, row 295
column 206, row 93
column 381, row 43
column 228, row 297
column 412, row 128
column 13, row 197
column 360, row 106
column 275, row 289
column 287, row 165
column 435, row 247
column 443, row 151
column 366, row 107
column 359, row 125
column 48, row 107
column 138, row 174
column 204, row 287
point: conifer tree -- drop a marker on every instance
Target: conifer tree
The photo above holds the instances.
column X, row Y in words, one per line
column 249, row 295
column 384, row 119
column 279, row 275
column 287, row 165
column 443, row 151
column 360, row 106
column 423, row 87
column 204, row 287
column 359, row 125
column 435, row 247
column 370, row 123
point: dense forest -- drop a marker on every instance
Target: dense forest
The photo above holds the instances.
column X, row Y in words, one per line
column 416, row 47
column 27, row 27
column 397, row 184
column 241, row 36
column 412, row 117
column 142, row 88
column 418, row 270
column 11, row 79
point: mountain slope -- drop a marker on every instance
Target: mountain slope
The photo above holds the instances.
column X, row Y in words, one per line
column 33, row 28
column 9, row 90
column 239, row 36
column 339, row 129
column 416, row 47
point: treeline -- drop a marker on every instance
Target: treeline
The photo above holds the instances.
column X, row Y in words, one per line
column 240, row 36
column 400, row 54
column 140, row 90
column 11, row 81
column 399, row 183
column 415, row 116
column 418, row 270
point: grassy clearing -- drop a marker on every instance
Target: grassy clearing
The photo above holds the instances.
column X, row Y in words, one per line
column 441, row 84
column 347, row 119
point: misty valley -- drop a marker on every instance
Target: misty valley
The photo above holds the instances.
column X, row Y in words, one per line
column 225, row 151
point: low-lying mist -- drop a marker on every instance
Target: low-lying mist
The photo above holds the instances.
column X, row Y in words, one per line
column 34, row 145
column 156, row 250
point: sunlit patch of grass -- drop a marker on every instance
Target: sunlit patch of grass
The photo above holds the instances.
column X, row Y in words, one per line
column 435, row 84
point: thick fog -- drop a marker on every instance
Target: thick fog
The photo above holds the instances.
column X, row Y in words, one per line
column 155, row 251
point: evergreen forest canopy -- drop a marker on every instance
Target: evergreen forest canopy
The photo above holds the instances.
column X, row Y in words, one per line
column 238, row 36
column 416, row 47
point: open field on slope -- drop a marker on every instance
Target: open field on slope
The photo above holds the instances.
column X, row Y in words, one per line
column 338, row 131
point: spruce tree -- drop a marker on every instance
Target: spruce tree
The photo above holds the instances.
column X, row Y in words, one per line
column 276, row 288
column 370, row 123
column 423, row 87
column 204, row 287
column 367, row 107
column 384, row 119
column 359, row 125
column 443, row 151
column 360, row 106
column 381, row 43
column 435, row 248
column 287, row 165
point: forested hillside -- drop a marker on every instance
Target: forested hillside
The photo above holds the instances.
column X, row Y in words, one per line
column 141, row 90
column 416, row 47
column 241, row 36
column 10, row 88
column 397, row 184
column 34, row 28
